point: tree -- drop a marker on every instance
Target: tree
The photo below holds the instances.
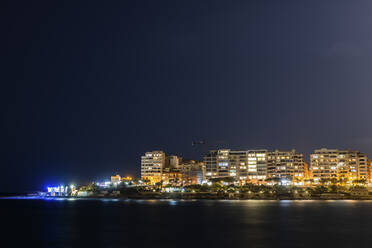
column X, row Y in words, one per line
column 333, row 188
column 360, row 182
column 92, row 187
column 324, row 181
column 159, row 185
column 274, row 180
column 319, row 190
column 146, row 181
column 196, row 188
column 333, row 181
column 222, row 179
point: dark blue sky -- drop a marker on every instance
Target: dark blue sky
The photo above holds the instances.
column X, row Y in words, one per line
column 90, row 86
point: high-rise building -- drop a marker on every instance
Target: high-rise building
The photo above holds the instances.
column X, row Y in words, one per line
column 343, row 165
column 285, row 164
column 224, row 163
column 152, row 165
column 241, row 165
column 211, row 161
column 257, row 164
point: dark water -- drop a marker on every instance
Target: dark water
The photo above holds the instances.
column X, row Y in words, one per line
column 155, row 223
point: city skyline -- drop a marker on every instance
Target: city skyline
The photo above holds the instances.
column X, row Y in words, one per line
column 258, row 167
column 261, row 167
column 273, row 165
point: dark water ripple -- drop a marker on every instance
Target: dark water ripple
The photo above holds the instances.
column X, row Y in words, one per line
column 156, row 223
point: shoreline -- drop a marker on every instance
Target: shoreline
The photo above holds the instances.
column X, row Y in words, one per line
column 172, row 197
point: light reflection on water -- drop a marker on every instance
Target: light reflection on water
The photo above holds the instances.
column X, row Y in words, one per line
column 177, row 202
column 107, row 222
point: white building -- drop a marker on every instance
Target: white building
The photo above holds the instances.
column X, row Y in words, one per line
column 285, row 164
column 257, row 164
column 241, row 165
column 115, row 179
column 152, row 165
column 345, row 165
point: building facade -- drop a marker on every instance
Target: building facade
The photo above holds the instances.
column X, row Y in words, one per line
column 343, row 165
column 193, row 172
column 224, row 163
column 171, row 176
column 369, row 166
column 286, row 164
column 152, row 165
column 115, row 179
column 307, row 172
column 241, row 165
column 257, row 164
column 173, row 161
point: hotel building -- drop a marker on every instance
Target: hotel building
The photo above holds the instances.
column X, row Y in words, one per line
column 285, row 164
column 152, row 165
column 344, row 165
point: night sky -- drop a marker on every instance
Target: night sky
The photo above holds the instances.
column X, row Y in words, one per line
column 87, row 87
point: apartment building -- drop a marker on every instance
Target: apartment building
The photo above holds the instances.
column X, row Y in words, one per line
column 172, row 176
column 223, row 163
column 152, row 165
column 257, row 164
column 242, row 165
column 369, row 168
column 285, row 164
column 344, row 165
column 193, row 172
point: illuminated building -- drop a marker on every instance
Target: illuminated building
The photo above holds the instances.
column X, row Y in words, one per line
column 115, row 179
column 307, row 173
column 152, row 165
column 212, row 160
column 171, row 176
column 285, row 164
column 57, row 190
column 223, row 163
column 342, row 165
column 126, row 179
column 192, row 172
column 241, row 165
column 172, row 161
column 369, row 166
column 257, row 164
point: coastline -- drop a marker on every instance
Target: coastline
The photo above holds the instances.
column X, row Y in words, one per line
column 176, row 196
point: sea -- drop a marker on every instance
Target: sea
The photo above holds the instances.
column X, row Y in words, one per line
column 68, row 222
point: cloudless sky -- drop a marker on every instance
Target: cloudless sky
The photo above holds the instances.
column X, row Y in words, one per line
column 89, row 86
